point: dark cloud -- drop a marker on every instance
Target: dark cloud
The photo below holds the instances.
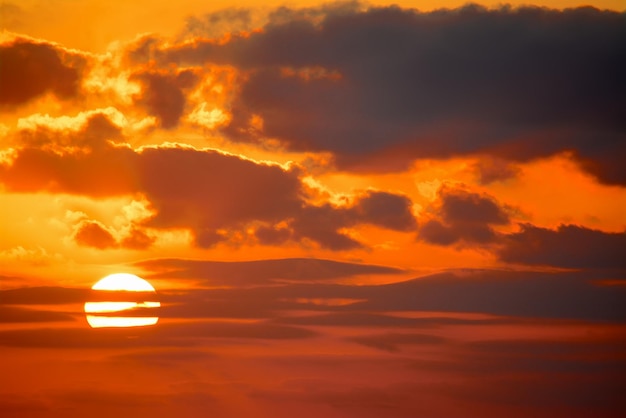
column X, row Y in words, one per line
column 387, row 210
column 259, row 271
column 43, row 295
column 393, row 341
column 217, row 196
column 569, row 246
column 467, row 218
column 507, row 293
column 94, row 234
column 162, row 335
column 208, row 190
column 31, row 69
column 351, row 319
column 137, row 239
column 521, row 83
column 163, row 94
column 462, row 216
column 490, row 170
column 520, row 294
column 323, row 223
column 512, row 294
column 17, row 314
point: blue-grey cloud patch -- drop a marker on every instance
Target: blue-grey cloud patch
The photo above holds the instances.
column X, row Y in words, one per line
column 520, row 83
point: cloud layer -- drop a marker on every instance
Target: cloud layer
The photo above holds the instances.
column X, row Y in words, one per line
column 521, row 83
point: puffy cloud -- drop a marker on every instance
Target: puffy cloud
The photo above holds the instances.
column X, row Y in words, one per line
column 164, row 94
column 323, row 223
column 462, row 216
column 467, row 218
column 387, row 210
column 209, row 189
column 217, row 196
column 489, row 170
column 569, row 246
column 30, row 69
column 137, row 239
column 94, row 234
column 520, row 83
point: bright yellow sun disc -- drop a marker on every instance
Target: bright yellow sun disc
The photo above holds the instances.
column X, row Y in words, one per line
column 114, row 313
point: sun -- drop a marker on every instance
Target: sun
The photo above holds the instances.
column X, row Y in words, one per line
column 122, row 300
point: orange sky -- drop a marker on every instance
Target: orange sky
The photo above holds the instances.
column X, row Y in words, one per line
column 392, row 211
column 92, row 25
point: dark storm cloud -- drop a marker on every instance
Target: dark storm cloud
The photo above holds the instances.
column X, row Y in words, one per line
column 258, row 271
column 217, row 196
column 462, row 216
column 569, row 246
column 520, row 83
column 30, row 69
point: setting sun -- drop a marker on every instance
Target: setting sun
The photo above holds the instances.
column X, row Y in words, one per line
column 338, row 209
column 107, row 313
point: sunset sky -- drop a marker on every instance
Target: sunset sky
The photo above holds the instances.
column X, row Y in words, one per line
column 346, row 209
